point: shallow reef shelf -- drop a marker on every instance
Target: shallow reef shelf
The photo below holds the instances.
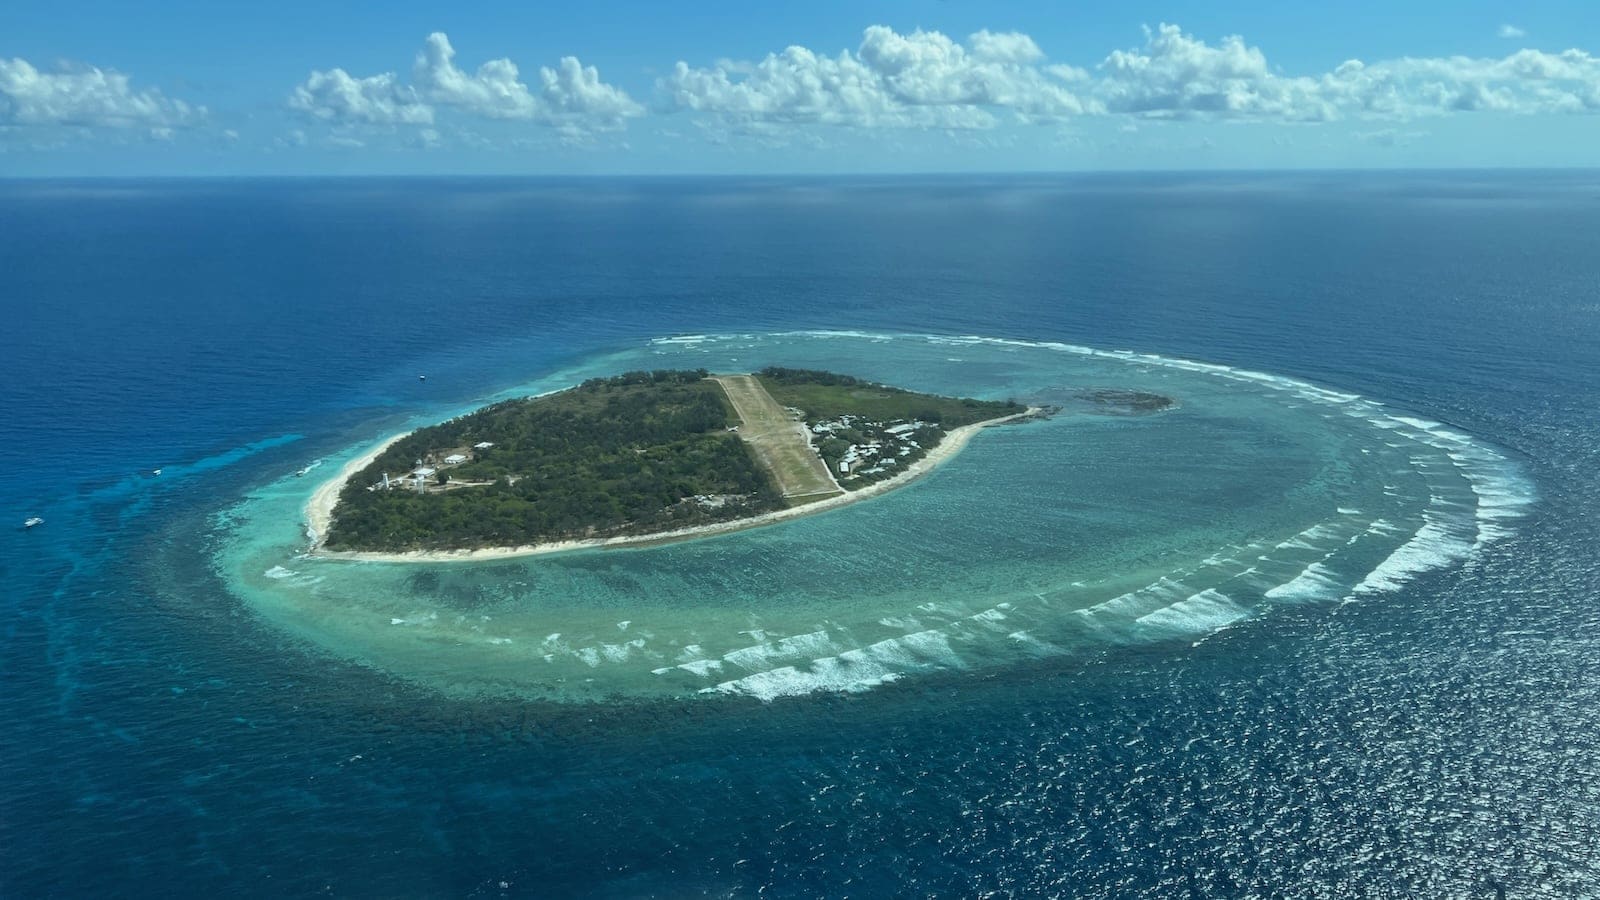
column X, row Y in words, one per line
column 1253, row 492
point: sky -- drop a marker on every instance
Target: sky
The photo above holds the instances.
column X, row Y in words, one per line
column 181, row 87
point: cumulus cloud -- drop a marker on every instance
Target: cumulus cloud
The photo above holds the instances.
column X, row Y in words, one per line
column 86, row 96
column 1178, row 76
column 1511, row 32
column 922, row 79
column 337, row 96
column 573, row 93
column 1525, row 82
column 1005, row 47
column 569, row 96
column 493, row 91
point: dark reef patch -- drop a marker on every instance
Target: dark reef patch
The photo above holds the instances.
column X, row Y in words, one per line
column 1104, row 401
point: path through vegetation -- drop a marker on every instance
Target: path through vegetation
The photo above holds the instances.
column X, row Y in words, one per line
column 779, row 440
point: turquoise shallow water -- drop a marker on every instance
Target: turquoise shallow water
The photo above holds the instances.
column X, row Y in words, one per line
column 1054, row 538
column 165, row 736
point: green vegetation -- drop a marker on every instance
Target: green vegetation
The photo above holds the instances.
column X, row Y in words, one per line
column 638, row 453
column 824, row 396
column 778, row 440
column 868, row 432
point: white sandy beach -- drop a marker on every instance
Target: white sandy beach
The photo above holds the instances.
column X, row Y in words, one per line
column 319, row 511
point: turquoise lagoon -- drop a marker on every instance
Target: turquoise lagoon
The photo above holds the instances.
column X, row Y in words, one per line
column 1055, row 538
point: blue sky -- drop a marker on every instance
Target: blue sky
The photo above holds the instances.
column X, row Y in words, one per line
column 298, row 88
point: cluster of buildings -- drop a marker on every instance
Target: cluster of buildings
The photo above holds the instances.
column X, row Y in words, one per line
column 876, row 455
column 829, row 427
column 417, row 479
column 715, row 501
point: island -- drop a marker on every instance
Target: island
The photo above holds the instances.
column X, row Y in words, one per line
column 642, row 456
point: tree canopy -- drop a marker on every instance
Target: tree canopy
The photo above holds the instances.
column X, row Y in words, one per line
column 638, row 453
column 620, row 455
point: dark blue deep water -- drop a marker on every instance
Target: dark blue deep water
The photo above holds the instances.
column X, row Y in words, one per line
column 156, row 739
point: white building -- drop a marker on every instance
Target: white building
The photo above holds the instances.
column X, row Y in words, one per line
column 454, row 459
column 483, row 445
column 424, row 471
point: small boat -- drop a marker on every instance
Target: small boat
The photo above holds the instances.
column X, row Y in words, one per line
column 302, row 471
column 32, row 522
column 155, row 472
column 422, row 378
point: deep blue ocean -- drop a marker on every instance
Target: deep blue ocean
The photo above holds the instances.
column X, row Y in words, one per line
column 158, row 738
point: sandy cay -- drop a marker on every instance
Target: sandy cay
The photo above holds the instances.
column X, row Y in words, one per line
column 319, row 511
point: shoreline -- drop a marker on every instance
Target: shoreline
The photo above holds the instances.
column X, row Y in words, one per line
column 319, row 509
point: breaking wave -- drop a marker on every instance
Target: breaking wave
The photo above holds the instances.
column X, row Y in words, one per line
column 775, row 613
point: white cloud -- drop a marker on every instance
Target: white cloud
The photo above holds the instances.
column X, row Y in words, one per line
column 918, row 80
column 1005, row 47
column 85, row 96
column 493, row 92
column 1511, row 32
column 570, row 96
column 574, row 95
column 924, row 79
column 337, row 96
column 1525, row 82
column 1179, row 76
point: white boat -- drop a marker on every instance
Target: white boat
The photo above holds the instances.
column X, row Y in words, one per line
column 302, row 471
column 32, row 522
column 156, row 472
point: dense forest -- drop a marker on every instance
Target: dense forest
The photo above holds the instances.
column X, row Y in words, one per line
column 640, row 452
column 858, row 415
column 825, row 395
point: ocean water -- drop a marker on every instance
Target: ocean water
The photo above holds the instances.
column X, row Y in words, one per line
column 1326, row 628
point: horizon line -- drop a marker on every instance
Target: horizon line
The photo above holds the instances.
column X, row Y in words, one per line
column 664, row 176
